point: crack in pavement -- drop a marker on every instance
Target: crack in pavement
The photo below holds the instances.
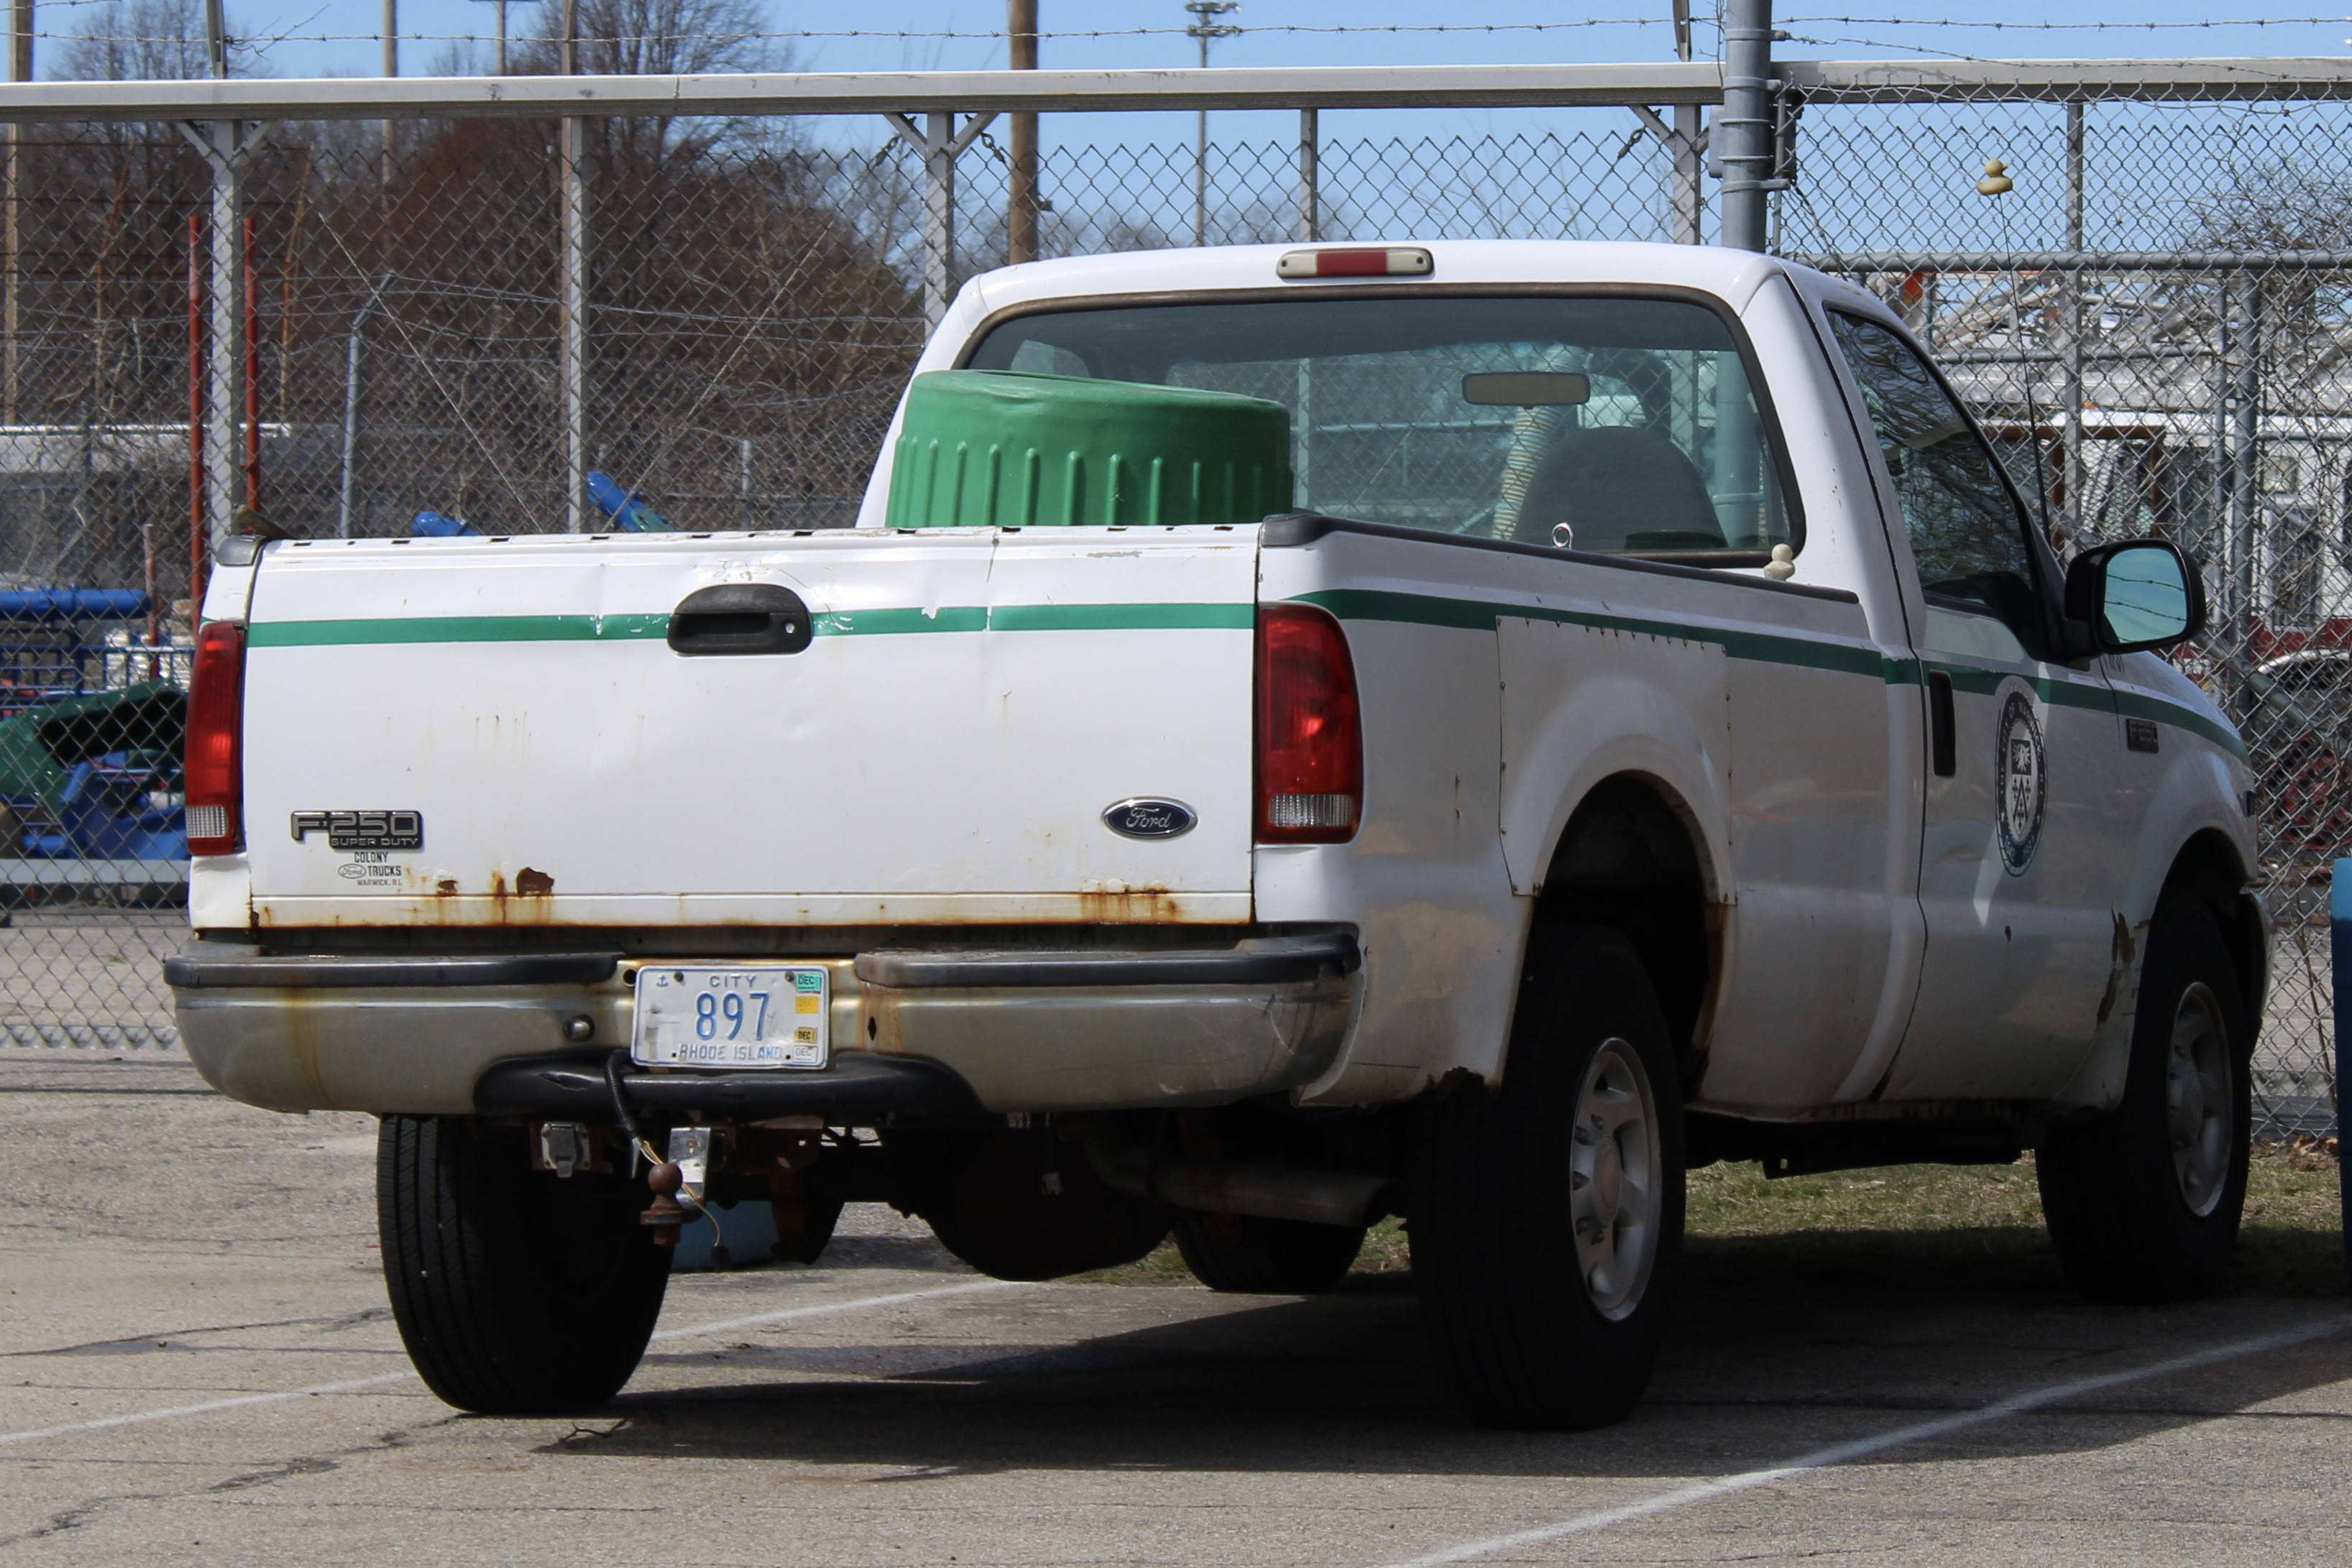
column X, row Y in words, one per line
column 134, row 1344
column 82, row 1513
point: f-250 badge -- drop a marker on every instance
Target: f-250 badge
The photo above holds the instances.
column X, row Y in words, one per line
column 2020, row 782
column 362, row 830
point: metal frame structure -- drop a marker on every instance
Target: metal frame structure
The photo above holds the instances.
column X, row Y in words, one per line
column 939, row 114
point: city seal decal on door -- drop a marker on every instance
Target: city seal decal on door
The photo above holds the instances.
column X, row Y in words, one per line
column 1148, row 819
column 2020, row 780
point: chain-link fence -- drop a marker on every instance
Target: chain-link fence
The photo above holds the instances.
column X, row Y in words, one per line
column 2153, row 320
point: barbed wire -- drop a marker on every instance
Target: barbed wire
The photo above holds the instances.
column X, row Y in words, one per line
column 1964, row 58
column 1350, row 29
column 2207, row 24
column 894, row 36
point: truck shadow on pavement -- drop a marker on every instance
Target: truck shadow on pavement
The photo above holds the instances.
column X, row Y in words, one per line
column 1783, row 1344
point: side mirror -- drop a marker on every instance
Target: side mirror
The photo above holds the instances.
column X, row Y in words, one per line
column 2139, row 594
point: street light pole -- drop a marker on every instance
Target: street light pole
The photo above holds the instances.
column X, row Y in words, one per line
column 1205, row 26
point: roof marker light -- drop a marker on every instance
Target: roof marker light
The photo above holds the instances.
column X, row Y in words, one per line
column 1371, row 261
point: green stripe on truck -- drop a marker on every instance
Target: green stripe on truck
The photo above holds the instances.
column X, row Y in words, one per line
column 1763, row 647
column 893, row 621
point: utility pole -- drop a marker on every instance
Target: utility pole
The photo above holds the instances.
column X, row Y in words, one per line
column 391, row 69
column 502, row 36
column 1020, row 216
column 1205, row 26
column 1742, row 138
column 20, row 69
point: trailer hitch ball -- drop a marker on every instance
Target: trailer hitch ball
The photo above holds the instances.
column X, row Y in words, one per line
column 668, row 1215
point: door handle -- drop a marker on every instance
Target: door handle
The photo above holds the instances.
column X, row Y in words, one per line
column 1943, row 743
column 740, row 618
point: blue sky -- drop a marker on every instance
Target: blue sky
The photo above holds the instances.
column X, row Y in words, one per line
column 337, row 37
column 1262, row 46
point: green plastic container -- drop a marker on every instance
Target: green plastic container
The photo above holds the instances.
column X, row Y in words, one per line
column 1000, row 449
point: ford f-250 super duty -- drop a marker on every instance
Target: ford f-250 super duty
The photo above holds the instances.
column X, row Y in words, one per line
column 1465, row 731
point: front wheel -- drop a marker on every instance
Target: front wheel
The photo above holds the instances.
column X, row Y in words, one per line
column 516, row 1293
column 1547, row 1215
column 2143, row 1203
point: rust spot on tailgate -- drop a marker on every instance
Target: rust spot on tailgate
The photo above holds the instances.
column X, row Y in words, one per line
column 532, row 883
column 1128, row 903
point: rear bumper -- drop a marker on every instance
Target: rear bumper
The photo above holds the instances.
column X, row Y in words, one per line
column 1014, row 1030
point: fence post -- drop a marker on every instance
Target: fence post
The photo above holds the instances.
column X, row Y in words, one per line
column 939, row 215
column 1310, row 177
column 2243, row 301
column 941, row 144
column 2073, row 465
column 357, row 345
column 2339, row 933
column 20, row 69
column 1743, row 128
column 227, row 146
column 1690, row 195
column 574, row 348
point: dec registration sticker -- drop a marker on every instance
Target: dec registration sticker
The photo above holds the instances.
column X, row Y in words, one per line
column 740, row 1015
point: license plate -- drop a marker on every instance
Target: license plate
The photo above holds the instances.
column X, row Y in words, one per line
column 766, row 1015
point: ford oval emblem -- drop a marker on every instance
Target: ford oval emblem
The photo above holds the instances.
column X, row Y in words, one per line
column 1148, row 819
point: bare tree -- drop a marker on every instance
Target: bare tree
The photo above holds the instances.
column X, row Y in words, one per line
column 653, row 37
column 150, row 40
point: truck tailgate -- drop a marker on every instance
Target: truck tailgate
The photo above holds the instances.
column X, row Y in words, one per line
column 943, row 750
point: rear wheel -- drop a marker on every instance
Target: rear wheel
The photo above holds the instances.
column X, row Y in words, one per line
column 1547, row 1215
column 1266, row 1257
column 2143, row 1203
column 516, row 1293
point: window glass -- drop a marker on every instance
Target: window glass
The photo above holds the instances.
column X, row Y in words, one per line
column 1967, row 532
column 1631, row 421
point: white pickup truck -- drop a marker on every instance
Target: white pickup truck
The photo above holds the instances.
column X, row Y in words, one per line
column 1467, row 731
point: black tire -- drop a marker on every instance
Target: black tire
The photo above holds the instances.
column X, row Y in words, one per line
column 1524, row 1337
column 516, row 1293
column 1266, row 1257
column 988, row 1199
column 2138, row 1210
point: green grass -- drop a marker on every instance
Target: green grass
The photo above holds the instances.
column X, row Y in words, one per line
column 1976, row 1228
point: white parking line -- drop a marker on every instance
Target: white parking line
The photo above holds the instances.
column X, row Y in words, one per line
column 1862, row 1448
column 354, row 1386
column 825, row 1310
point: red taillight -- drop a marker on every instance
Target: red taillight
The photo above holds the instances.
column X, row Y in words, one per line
column 215, row 772
column 1310, row 736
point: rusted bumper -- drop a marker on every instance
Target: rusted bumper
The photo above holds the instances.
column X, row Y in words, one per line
column 1025, row 1029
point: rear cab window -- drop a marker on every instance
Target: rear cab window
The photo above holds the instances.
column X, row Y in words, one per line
column 1627, row 425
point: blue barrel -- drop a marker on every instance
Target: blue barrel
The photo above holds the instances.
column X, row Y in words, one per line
column 2339, row 924
column 71, row 605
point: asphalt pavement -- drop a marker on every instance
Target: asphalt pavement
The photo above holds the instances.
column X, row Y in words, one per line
column 197, row 1365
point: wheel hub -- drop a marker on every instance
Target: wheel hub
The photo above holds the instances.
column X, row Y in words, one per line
column 1616, row 1183
column 2199, row 1097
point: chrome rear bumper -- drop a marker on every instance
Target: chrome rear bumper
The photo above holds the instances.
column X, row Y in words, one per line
column 1023, row 1030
